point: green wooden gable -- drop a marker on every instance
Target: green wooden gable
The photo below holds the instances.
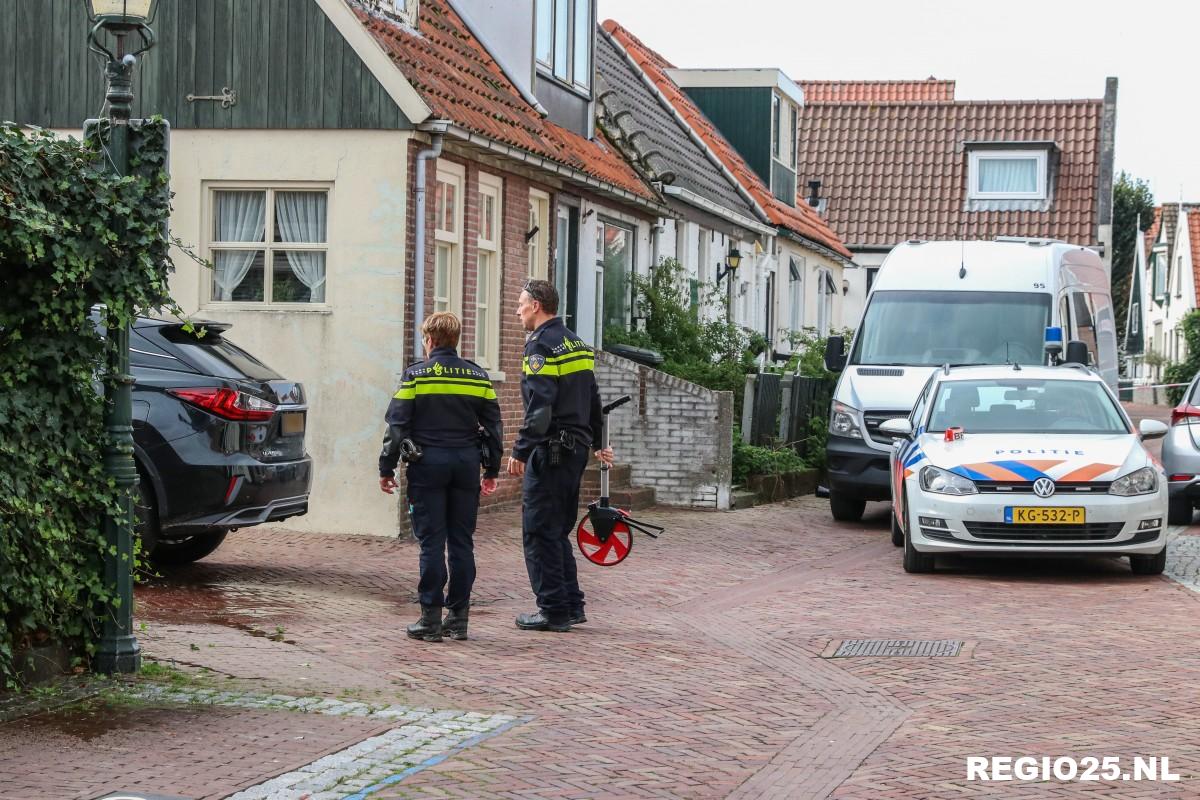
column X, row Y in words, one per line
column 286, row 61
column 743, row 115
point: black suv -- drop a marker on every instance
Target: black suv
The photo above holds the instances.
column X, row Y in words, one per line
column 218, row 439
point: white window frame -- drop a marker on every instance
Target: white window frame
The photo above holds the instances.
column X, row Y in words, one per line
column 268, row 245
column 487, row 295
column 825, row 292
column 796, row 292
column 452, row 174
column 976, row 156
column 538, row 255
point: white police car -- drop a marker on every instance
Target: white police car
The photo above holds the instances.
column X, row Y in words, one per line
column 1004, row 459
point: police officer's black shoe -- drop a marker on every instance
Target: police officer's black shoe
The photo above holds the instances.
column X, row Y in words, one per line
column 538, row 621
column 577, row 617
column 455, row 624
column 429, row 627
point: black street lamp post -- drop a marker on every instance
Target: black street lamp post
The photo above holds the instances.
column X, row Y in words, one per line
column 733, row 259
column 119, row 651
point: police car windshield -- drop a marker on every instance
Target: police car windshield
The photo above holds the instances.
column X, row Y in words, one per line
column 1019, row 405
column 931, row 328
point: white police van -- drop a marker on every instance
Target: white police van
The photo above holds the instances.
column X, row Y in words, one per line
column 958, row 303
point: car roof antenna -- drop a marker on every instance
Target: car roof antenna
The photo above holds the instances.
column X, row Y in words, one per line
column 946, row 368
column 1008, row 357
column 962, row 262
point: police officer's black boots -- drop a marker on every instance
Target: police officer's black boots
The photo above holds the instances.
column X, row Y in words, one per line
column 455, row 624
column 429, row 627
column 539, row 621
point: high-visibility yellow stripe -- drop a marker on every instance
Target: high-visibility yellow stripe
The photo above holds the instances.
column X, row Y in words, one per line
column 559, row 370
column 442, row 387
column 568, row 356
column 448, row 379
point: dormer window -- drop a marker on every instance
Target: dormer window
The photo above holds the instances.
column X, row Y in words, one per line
column 563, row 41
column 996, row 174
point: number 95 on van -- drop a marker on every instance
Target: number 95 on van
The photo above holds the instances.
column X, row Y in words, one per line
column 1066, row 768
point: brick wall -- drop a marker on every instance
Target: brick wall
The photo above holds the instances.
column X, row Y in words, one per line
column 676, row 436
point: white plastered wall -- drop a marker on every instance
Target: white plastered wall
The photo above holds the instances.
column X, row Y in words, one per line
column 348, row 352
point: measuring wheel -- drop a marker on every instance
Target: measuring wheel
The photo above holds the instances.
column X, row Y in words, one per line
column 607, row 551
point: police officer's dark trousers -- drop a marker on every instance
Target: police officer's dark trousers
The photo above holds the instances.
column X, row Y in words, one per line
column 551, row 499
column 443, row 488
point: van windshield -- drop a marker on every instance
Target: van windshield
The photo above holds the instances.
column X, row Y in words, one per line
column 931, row 328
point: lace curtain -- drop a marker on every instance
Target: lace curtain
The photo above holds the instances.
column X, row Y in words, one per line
column 1008, row 175
column 300, row 217
column 240, row 217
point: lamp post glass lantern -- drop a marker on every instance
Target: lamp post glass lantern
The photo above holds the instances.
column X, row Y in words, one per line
column 733, row 260
column 118, row 650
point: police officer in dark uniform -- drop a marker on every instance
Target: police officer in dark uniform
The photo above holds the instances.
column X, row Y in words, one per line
column 444, row 421
column 562, row 424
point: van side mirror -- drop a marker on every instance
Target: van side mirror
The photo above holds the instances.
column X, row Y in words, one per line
column 835, row 353
column 1149, row 429
column 1077, row 353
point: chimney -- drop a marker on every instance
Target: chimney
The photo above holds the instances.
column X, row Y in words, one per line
column 814, row 194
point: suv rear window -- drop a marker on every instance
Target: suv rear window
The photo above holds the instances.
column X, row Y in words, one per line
column 215, row 355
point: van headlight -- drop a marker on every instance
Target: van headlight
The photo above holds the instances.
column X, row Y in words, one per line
column 844, row 421
column 940, row 481
column 1140, row 481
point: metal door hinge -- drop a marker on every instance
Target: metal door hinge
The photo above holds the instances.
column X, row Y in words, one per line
column 227, row 97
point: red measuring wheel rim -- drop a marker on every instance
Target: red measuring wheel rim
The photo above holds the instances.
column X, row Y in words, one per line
column 607, row 554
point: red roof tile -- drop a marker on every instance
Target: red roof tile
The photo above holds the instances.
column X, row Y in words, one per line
column 460, row 81
column 1152, row 232
column 930, row 90
column 894, row 171
column 801, row 220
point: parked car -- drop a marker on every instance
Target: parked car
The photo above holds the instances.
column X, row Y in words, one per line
column 1181, row 457
column 1041, row 460
column 933, row 303
column 218, row 440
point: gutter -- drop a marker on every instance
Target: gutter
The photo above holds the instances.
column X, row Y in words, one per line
column 479, row 37
column 695, row 137
column 436, row 129
column 815, row 247
column 718, row 210
column 540, row 162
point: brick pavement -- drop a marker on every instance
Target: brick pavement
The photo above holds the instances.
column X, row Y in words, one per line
column 701, row 672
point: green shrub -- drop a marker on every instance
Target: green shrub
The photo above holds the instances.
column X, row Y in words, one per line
column 751, row 460
column 71, row 236
column 1184, row 371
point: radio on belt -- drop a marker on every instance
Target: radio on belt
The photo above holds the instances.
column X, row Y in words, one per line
column 954, row 434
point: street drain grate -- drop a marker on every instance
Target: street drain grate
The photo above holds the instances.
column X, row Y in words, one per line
column 898, row 647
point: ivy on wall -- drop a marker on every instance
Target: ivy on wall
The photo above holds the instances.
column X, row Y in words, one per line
column 72, row 236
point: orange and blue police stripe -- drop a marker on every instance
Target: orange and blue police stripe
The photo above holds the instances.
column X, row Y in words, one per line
column 1018, row 471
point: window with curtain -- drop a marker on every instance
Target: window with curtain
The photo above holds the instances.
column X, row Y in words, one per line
column 795, row 294
column 447, row 237
column 563, row 40
column 271, row 258
column 1008, row 175
column 615, row 246
column 537, row 235
column 487, row 271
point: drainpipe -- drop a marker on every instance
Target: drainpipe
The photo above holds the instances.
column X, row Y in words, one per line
column 436, row 129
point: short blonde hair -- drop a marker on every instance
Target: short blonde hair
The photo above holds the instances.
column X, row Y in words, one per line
column 442, row 328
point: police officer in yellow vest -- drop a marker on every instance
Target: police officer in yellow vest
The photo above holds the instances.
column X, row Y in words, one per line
column 444, row 421
column 562, row 423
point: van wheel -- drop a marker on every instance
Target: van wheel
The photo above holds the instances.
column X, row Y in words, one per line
column 914, row 561
column 1149, row 565
column 1179, row 510
column 846, row 509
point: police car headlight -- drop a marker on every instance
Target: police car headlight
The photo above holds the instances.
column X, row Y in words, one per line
column 1140, row 481
column 939, row 481
column 843, row 421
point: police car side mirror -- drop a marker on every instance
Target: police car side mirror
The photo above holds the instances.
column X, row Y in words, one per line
column 1152, row 429
column 896, row 427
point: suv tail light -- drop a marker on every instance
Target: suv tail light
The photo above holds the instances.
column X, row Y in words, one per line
column 227, row 403
column 1184, row 414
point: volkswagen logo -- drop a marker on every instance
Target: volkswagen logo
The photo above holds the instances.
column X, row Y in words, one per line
column 1043, row 487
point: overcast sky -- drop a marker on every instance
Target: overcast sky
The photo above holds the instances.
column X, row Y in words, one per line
column 1012, row 50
